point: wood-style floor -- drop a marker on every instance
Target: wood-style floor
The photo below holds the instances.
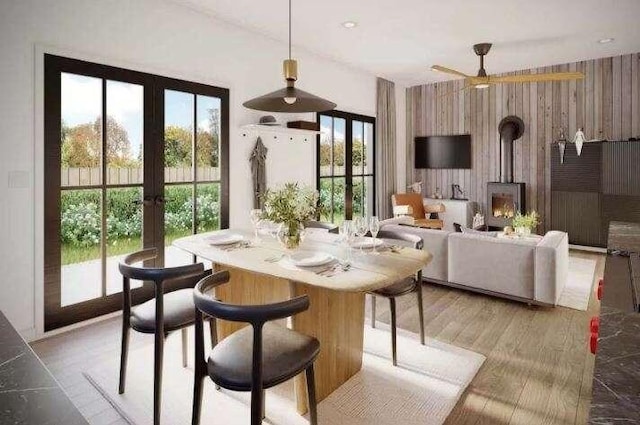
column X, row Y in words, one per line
column 538, row 368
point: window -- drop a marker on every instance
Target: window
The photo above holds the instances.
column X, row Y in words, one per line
column 346, row 166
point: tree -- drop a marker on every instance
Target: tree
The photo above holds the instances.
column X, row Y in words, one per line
column 82, row 145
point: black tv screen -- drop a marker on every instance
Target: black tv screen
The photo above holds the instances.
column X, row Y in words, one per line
column 443, row 151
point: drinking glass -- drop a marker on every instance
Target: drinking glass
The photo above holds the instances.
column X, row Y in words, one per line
column 347, row 233
column 256, row 217
column 374, row 227
column 361, row 228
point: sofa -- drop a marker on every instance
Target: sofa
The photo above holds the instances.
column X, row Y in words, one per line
column 529, row 270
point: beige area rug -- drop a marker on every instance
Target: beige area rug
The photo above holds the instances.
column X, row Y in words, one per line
column 422, row 390
column 579, row 286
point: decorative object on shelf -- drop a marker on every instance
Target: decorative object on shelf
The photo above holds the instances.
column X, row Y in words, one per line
column 258, row 160
column 304, row 125
column 269, row 120
column 415, row 187
column 508, row 230
column 289, row 206
column 523, row 223
column 437, row 194
column 290, row 98
column 457, row 192
column 579, row 140
column 562, row 144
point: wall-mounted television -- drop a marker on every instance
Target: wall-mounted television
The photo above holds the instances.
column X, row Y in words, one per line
column 443, row 151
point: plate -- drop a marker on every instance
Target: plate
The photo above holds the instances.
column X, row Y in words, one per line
column 367, row 243
column 311, row 259
column 219, row 240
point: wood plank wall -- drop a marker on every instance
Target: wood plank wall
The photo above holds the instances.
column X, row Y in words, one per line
column 606, row 104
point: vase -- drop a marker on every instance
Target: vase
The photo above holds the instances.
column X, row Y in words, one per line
column 523, row 231
column 290, row 235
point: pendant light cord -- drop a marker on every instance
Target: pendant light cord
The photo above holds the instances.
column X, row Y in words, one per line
column 289, row 29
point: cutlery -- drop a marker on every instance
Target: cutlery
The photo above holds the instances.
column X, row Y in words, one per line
column 274, row 259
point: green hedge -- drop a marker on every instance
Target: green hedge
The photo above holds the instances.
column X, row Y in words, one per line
column 80, row 213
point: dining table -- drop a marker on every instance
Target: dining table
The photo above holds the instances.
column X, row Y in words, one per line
column 263, row 271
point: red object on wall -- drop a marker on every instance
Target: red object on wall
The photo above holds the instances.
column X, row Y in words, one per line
column 594, row 324
column 599, row 290
column 593, row 342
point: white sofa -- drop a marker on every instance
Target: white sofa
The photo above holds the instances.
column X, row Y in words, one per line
column 529, row 270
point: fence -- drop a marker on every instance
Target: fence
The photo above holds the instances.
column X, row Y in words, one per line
column 124, row 176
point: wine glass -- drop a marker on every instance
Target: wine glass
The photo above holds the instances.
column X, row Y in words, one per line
column 361, row 228
column 347, row 233
column 256, row 217
column 374, row 227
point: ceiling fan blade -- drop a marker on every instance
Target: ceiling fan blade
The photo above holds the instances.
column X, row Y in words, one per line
column 533, row 78
column 448, row 71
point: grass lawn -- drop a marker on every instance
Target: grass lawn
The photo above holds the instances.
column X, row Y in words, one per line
column 76, row 254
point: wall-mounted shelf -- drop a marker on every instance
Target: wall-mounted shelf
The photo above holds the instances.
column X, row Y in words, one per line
column 278, row 132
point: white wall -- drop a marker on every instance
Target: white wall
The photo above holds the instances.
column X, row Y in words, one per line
column 151, row 36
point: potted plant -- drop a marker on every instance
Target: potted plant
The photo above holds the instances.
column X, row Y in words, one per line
column 290, row 206
column 523, row 223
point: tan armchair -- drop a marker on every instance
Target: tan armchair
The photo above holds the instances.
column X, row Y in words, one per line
column 420, row 212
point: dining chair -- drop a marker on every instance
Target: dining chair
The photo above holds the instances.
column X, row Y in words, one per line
column 170, row 309
column 402, row 287
column 312, row 224
column 256, row 357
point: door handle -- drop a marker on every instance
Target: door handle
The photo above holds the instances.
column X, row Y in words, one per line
column 146, row 201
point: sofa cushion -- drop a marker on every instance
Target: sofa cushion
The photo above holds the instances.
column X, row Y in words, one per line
column 492, row 264
column 551, row 266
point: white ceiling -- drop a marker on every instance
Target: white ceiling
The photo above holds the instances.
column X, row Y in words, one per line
column 400, row 39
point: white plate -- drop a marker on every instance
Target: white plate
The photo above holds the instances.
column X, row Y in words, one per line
column 311, row 259
column 219, row 240
column 367, row 243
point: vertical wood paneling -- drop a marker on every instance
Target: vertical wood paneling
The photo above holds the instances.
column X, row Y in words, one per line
column 606, row 104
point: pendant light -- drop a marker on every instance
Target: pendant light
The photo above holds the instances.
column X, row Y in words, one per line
column 290, row 98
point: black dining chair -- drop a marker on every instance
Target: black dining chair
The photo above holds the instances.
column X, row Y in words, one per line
column 329, row 227
column 397, row 289
column 256, row 357
column 170, row 310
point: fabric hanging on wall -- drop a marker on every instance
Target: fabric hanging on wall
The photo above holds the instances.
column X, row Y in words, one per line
column 385, row 147
column 258, row 160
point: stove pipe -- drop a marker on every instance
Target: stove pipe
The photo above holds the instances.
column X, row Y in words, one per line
column 511, row 129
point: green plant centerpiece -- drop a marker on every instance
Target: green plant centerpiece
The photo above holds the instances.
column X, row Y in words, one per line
column 524, row 223
column 290, row 206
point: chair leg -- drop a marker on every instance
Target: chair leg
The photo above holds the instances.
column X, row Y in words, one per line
column 257, row 403
column 124, row 354
column 373, row 311
column 157, row 377
column 264, row 401
column 392, row 305
column 185, row 343
column 420, row 313
column 213, row 333
column 311, row 392
column 198, row 381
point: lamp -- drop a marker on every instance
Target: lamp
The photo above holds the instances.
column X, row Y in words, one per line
column 290, row 98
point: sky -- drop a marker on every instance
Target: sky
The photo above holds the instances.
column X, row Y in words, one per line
column 82, row 104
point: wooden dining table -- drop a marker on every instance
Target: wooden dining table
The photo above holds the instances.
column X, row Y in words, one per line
column 262, row 273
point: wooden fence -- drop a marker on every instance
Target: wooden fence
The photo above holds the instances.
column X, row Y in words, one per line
column 125, row 176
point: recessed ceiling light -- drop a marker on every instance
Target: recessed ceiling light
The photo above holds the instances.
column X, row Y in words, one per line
column 349, row 24
column 605, row 40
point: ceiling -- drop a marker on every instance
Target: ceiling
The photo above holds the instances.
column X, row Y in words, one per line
column 401, row 39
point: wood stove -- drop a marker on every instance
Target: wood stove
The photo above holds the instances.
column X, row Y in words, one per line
column 505, row 198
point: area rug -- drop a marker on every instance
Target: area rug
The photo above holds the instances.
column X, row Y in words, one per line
column 578, row 288
column 423, row 389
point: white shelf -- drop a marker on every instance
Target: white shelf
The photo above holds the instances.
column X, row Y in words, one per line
column 278, row 130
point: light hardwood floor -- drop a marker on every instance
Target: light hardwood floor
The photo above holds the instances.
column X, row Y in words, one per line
column 538, row 368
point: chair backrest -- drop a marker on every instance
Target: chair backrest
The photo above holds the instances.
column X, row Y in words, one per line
column 330, row 227
column 256, row 315
column 414, row 241
column 412, row 199
column 155, row 274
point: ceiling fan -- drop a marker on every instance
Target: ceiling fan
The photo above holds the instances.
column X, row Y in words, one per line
column 482, row 80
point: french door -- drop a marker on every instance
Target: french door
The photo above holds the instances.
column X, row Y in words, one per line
column 346, row 166
column 132, row 161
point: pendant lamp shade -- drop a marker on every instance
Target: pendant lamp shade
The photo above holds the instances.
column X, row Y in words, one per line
column 290, row 98
column 278, row 101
